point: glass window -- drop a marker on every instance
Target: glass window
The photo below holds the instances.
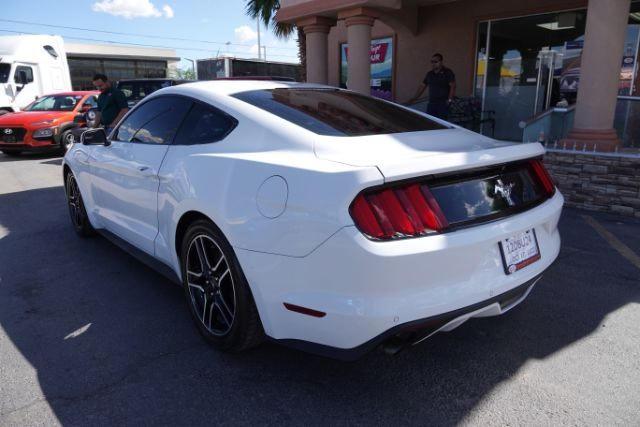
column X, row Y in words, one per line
column 91, row 102
column 155, row 121
column 54, row 103
column 481, row 58
column 205, row 124
column 381, row 57
column 5, row 70
column 337, row 112
column 28, row 72
column 83, row 69
column 135, row 91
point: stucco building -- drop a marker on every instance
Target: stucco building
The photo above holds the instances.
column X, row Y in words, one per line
column 518, row 58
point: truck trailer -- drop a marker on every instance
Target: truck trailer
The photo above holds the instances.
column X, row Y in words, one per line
column 31, row 66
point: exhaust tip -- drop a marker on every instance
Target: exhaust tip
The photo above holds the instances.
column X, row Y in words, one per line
column 394, row 345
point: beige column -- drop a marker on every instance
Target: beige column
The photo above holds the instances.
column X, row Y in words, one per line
column 600, row 74
column 359, row 21
column 359, row 45
column 316, row 30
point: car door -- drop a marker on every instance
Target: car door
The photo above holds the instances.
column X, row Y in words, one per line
column 27, row 86
column 125, row 172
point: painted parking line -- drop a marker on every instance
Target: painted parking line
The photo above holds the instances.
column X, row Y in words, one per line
column 616, row 244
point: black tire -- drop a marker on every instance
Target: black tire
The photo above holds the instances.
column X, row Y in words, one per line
column 66, row 141
column 77, row 211
column 220, row 292
column 11, row 153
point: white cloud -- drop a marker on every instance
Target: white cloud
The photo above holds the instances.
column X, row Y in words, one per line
column 245, row 34
column 130, row 9
column 168, row 12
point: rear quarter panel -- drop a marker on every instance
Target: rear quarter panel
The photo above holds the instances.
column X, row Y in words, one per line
column 223, row 184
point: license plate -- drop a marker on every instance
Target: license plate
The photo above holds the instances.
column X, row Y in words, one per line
column 10, row 138
column 519, row 250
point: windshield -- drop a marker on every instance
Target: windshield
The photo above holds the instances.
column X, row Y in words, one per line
column 336, row 112
column 5, row 70
column 55, row 103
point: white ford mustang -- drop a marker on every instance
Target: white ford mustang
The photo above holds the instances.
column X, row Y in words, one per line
column 317, row 217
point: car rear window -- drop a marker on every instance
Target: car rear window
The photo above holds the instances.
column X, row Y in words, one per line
column 337, row 112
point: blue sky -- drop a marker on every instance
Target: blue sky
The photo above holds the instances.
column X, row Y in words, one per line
column 216, row 21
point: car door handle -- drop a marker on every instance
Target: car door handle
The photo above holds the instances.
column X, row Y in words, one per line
column 81, row 157
column 145, row 170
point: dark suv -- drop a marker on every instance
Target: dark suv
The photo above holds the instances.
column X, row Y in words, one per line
column 136, row 89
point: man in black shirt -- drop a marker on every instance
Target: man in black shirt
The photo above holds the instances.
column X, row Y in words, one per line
column 442, row 88
column 111, row 102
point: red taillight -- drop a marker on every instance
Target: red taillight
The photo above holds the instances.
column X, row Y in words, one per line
column 397, row 212
column 543, row 177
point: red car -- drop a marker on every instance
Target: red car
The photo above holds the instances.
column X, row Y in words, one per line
column 46, row 123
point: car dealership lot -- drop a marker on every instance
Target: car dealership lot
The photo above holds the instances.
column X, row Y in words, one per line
column 90, row 335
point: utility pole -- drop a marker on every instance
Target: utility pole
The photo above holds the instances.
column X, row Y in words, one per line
column 258, row 26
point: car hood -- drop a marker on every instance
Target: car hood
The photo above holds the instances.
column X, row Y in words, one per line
column 406, row 155
column 23, row 118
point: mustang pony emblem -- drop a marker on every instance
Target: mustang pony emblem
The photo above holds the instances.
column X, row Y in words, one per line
column 505, row 191
column 8, row 131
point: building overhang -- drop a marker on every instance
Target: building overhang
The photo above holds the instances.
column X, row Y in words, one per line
column 291, row 11
column 395, row 13
column 82, row 50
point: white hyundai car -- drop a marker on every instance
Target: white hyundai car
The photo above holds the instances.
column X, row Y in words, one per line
column 316, row 217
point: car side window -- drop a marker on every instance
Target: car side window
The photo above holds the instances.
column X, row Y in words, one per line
column 90, row 102
column 205, row 124
column 154, row 122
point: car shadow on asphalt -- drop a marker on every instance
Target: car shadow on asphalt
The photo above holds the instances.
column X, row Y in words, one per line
column 111, row 340
column 30, row 156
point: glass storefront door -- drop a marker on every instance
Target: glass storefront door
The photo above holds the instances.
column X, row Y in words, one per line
column 524, row 63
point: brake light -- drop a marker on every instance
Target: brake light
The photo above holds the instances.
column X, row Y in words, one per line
column 394, row 212
column 543, row 176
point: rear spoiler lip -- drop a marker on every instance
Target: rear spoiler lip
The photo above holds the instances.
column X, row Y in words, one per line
column 458, row 162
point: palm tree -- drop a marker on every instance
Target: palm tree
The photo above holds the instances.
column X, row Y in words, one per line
column 265, row 10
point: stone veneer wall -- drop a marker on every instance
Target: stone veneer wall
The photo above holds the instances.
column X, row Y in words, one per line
column 597, row 181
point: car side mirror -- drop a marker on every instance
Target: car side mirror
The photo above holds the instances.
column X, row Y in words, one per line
column 94, row 137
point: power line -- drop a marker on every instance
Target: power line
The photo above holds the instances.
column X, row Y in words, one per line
column 137, row 35
column 149, row 45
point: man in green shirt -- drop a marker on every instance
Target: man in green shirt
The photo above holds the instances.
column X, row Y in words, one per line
column 111, row 102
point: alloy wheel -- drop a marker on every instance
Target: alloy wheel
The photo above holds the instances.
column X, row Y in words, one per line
column 211, row 286
column 75, row 201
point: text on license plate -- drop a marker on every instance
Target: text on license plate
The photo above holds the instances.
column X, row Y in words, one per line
column 519, row 250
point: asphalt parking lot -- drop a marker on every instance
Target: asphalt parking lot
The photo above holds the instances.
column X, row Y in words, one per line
column 88, row 335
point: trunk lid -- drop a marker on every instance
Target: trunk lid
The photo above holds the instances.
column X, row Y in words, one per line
column 408, row 155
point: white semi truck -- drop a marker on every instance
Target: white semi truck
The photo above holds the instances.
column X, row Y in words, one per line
column 31, row 66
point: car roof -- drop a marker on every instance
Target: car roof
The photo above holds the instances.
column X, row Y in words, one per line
column 75, row 93
column 231, row 87
column 156, row 79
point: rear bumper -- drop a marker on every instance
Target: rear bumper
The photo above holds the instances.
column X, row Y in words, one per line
column 414, row 332
column 369, row 288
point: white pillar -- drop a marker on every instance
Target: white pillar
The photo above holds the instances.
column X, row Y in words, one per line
column 359, row 45
column 600, row 74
